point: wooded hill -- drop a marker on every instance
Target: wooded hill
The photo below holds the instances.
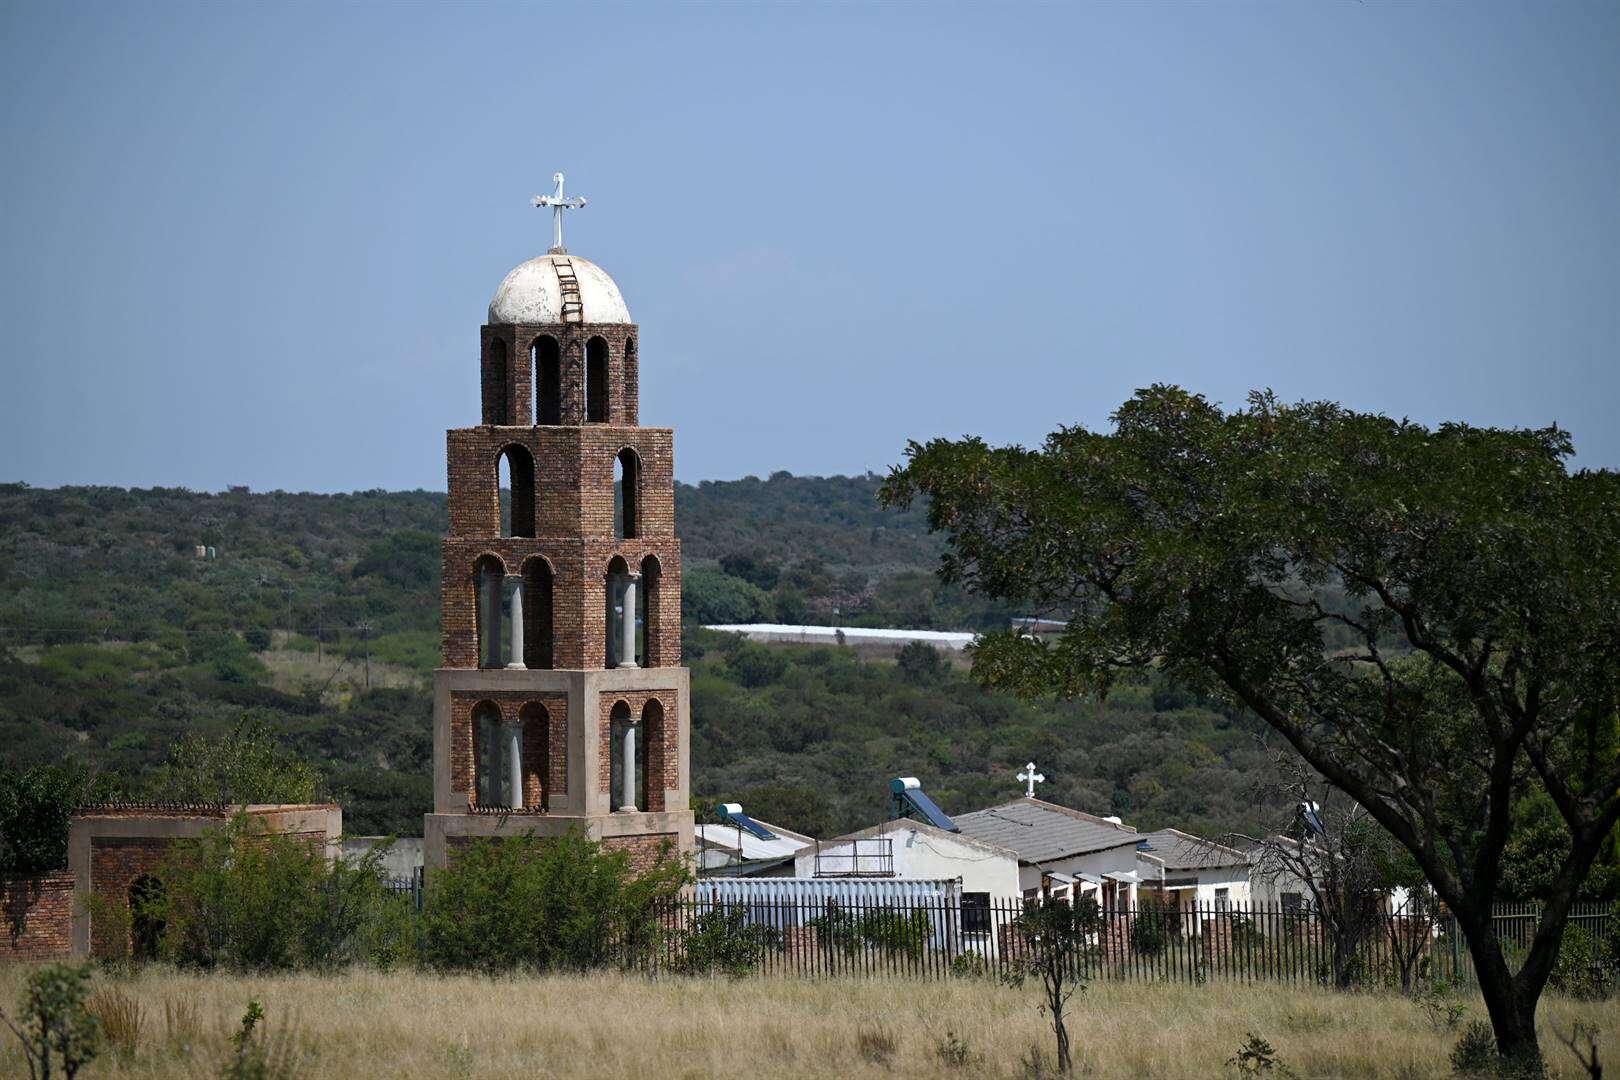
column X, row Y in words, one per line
column 116, row 638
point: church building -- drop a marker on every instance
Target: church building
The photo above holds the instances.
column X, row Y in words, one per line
column 562, row 702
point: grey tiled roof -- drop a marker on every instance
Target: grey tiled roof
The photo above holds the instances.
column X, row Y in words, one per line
column 1040, row 832
column 1182, row 851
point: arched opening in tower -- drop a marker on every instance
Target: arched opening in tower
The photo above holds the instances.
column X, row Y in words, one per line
column 655, row 738
column 596, row 380
column 536, row 722
column 489, row 580
column 547, row 380
column 626, row 494
column 516, row 491
column 621, row 615
column 651, row 641
column 539, row 632
column 627, row 774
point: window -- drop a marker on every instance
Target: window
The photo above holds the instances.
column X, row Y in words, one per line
column 627, row 776
column 515, row 491
column 1293, row 903
column 547, row 380
column 976, row 913
column 499, row 754
column 538, row 636
column 489, row 579
column 596, row 380
column 649, row 641
column 1223, row 900
column 626, row 494
column 623, row 616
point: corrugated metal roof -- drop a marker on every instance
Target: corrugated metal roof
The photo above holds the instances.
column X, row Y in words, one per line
column 817, row 891
column 1183, row 851
column 751, row 846
column 1040, row 832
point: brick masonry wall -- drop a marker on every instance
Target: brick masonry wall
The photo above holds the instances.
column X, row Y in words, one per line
column 508, row 371
column 657, row 743
column 645, row 851
column 573, row 478
column 38, row 916
column 538, row 759
column 578, row 595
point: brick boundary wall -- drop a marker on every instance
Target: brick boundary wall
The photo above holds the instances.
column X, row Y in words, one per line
column 38, row 916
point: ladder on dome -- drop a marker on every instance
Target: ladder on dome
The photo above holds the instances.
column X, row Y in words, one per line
column 573, row 309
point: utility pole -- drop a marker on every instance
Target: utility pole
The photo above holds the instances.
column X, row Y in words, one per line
column 365, row 636
column 289, row 591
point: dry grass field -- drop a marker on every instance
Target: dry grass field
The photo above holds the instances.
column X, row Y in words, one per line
column 406, row 1024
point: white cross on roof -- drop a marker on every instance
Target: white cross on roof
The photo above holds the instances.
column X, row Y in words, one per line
column 1031, row 778
column 558, row 204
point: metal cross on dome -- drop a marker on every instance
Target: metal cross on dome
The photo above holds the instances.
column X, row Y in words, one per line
column 558, row 204
column 1031, row 778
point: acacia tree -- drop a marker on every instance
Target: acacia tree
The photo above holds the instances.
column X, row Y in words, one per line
column 1429, row 617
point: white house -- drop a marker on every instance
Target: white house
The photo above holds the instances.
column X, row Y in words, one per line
column 1200, row 876
column 907, row 848
column 1066, row 853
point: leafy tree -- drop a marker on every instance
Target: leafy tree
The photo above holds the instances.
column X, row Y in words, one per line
column 54, row 1023
column 1479, row 577
column 1053, row 937
column 246, row 766
column 752, row 567
column 36, row 808
column 720, row 599
column 920, row 662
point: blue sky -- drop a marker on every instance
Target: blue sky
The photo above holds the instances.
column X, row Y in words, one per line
column 253, row 245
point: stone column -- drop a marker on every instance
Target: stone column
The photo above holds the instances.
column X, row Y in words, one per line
column 516, row 659
column 629, row 777
column 627, row 643
column 514, row 761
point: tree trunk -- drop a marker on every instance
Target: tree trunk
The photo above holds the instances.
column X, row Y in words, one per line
column 1510, row 1001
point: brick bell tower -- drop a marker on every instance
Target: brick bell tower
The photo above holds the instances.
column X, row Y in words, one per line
column 561, row 702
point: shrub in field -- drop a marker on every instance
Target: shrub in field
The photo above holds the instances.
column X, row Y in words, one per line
column 877, row 1043
column 54, row 1025
column 120, row 1016
column 1475, row 1052
column 557, row 903
column 721, row 941
column 258, row 1054
column 239, row 899
column 954, row 1052
column 1256, row 1057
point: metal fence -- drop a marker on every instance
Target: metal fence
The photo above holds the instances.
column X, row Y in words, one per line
column 858, row 932
column 938, row 938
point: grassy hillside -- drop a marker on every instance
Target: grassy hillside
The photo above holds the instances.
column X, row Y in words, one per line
column 115, row 639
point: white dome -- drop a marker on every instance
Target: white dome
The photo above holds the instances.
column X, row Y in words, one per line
column 531, row 294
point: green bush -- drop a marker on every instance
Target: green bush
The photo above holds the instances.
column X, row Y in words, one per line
column 563, row 903
column 1475, row 1052
column 721, row 941
column 239, row 899
column 1581, row 970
